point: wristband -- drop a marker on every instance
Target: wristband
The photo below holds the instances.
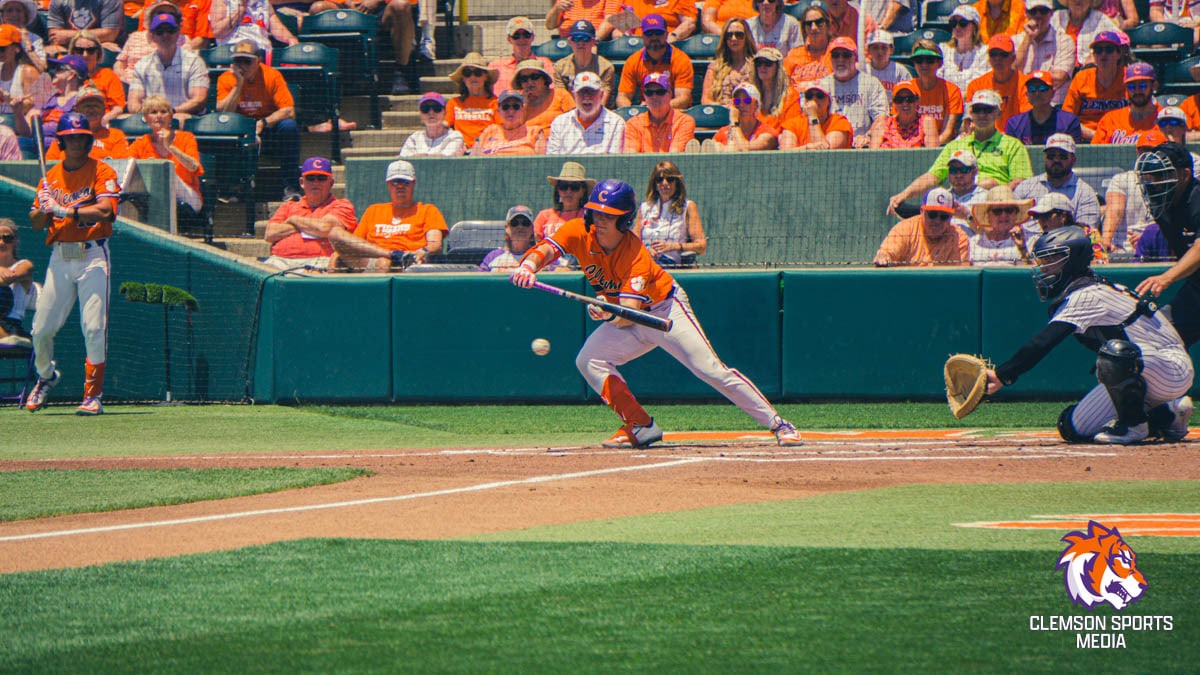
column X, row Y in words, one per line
column 529, row 265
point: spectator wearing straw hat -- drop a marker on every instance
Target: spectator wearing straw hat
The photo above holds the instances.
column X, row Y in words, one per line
column 998, row 219
column 475, row 106
column 435, row 140
column 543, row 101
column 660, row 128
column 583, row 58
column 569, row 191
column 1042, row 120
column 928, row 238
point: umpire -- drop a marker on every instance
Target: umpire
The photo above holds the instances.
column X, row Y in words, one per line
column 1173, row 198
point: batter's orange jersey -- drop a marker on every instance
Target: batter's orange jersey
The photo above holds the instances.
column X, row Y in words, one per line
column 627, row 272
column 1119, row 128
column 87, row 185
column 1088, row 101
column 399, row 229
column 108, row 143
column 1013, row 99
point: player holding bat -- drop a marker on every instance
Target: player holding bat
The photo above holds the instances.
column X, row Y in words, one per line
column 622, row 271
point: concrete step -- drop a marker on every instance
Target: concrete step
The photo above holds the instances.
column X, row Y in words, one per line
column 402, row 119
column 379, row 151
column 388, row 138
column 443, row 85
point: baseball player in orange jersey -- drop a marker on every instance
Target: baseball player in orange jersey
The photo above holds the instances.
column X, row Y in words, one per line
column 621, row 269
column 76, row 205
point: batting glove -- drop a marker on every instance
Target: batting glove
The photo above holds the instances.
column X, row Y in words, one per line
column 45, row 201
column 523, row 277
column 60, row 211
column 598, row 314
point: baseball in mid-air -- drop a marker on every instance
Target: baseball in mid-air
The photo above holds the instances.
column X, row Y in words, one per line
column 540, row 346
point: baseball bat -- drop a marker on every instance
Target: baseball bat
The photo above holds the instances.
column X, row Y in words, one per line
column 635, row 315
column 41, row 144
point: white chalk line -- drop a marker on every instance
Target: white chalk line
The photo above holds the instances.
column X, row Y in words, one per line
column 358, row 502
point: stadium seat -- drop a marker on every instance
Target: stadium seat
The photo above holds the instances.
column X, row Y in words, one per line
column 630, row 111
column 353, row 35
column 620, row 49
column 469, row 241
column 1176, row 77
column 904, row 43
column 134, row 127
column 937, row 14
column 1161, row 42
column 218, row 59
column 310, row 70
column 108, row 57
column 700, row 47
column 1172, row 99
column 709, row 118
column 1098, row 177
column 553, row 49
column 796, row 11
column 230, row 139
column 6, row 119
column 290, row 21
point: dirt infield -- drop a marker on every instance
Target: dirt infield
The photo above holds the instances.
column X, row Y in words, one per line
column 429, row 494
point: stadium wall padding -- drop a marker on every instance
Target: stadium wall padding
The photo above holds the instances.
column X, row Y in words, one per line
column 820, row 208
column 156, row 173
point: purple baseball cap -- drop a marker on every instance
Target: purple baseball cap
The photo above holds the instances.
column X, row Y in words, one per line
column 1109, row 36
column 316, row 166
column 434, row 97
column 1140, row 71
column 74, row 62
column 161, row 19
column 654, row 22
column 662, row 79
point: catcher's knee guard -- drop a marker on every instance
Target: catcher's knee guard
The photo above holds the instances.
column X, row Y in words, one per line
column 1066, row 427
column 1119, row 368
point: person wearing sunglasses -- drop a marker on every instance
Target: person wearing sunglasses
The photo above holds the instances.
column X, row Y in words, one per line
column 817, row 127
column 392, row 234
column 435, row 139
column 543, row 101
column 906, row 127
column 1042, row 120
column 1123, row 125
column 475, row 107
column 667, row 221
column 85, row 44
column 856, row 95
column 660, row 128
column 1095, row 91
column 583, row 58
column 772, row 27
column 17, row 293
column 655, row 57
column 67, row 76
column 300, row 232
column 997, row 229
column 733, row 64
column 520, row 38
column 1042, row 47
column 1003, row 160
column 510, row 135
column 568, row 191
column 749, row 130
column 170, row 70
column 140, row 43
column 1060, row 177
column 107, row 143
column 1003, row 78
column 590, row 128
column 518, row 238
column 65, row 19
column 880, row 48
column 964, row 57
column 928, row 238
column 940, row 98
column 810, row 61
column 1082, row 21
column 1173, row 123
column 779, row 100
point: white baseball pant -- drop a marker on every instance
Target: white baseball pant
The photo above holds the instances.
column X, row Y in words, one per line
column 67, row 280
column 1168, row 374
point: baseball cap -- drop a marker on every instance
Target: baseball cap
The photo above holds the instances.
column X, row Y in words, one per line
column 880, row 37
column 587, row 80
column 1104, row 36
column 987, row 97
column 88, row 92
column 1140, row 71
column 966, row 13
column 583, row 28
column 938, row 199
column 72, row 61
column 654, row 22
column 9, row 35
column 401, row 170
column 662, row 79
column 1051, row 201
column 769, row 54
column 816, row 86
column 163, row 19
column 1030, row 4
column 510, row 94
column 1172, row 113
column 906, row 85
column 518, row 23
column 1123, row 38
column 432, row 96
column 843, row 43
column 1150, row 139
column 964, row 157
column 316, row 166
column 750, row 89
column 519, row 211
column 816, row 4
column 246, row 49
column 1041, row 76
column 1002, row 42
column 1060, row 142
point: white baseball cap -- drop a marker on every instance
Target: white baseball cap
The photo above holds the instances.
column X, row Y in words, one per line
column 880, row 37
column 401, row 170
column 1172, row 113
column 938, row 199
column 987, row 97
column 587, row 80
column 1048, row 4
column 1061, row 142
column 750, row 89
column 964, row 157
column 968, row 13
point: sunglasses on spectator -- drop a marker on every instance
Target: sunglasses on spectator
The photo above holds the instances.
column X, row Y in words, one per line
column 86, row 50
column 738, row 100
column 1140, row 85
column 925, row 60
column 432, row 107
column 512, row 106
column 1047, row 216
column 472, row 72
column 842, row 54
column 937, row 215
column 520, row 222
column 8, row 238
column 522, row 79
column 998, row 54
column 522, row 35
column 654, row 91
column 959, row 23
column 1104, row 49
column 165, row 30
column 667, row 179
column 1039, row 11
column 816, row 22
column 1037, row 88
column 569, row 187
column 763, row 63
column 906, row 99
column 1170, row 123
column 961, row 170
column 810, row 95
column 984, row 110
column 741, row 35
column 316, row 178
column 654, row 33
column 1004, row 210
column 580, row 39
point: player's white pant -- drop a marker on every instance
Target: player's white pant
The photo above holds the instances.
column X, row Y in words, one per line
column 67, row 280
column 1168, row 374
column 609, row 346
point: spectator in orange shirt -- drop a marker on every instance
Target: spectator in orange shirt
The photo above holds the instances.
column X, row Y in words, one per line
column 108, row 143
column 1000, row 17
column 779, row 100
column 564, row 14
column 543, row 101
column 258, row 91
column 475, row 106
column 679, row 19
column 929, row 238
column 395, row 233
column 843, row 19
column 810, row 61
column 181, row 148
column 196, row 24
column 302, row 232
column 940, row 98
column 1096, row 91
column 717, row 12
column 1004, row 79
column 661, row 128
column 520, row 36
column 749, row 129
column 733, row 64
column 1125, row 126
column 817, row 128
column 655, row 57
column 86, row 44
column 510, row 135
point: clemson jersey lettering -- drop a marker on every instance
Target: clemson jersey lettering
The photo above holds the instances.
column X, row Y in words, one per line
column 628, row 272
column 84, row 186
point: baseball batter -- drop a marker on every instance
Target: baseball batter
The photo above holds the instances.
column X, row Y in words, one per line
column 76, row 204
column 1142, row 368
column 622, row 271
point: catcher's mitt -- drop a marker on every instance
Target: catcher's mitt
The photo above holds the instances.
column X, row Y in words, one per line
column 966, row 383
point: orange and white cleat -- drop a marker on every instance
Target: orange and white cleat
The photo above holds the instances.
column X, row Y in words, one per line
column 37, row 398
column 634, row 436
column 90, row 406
column 786, row 435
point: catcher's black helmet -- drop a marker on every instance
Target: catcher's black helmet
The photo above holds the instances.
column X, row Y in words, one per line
column 1158, row 173
column 1061, row 256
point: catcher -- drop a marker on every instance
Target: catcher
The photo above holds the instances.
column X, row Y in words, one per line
column 1143, row 369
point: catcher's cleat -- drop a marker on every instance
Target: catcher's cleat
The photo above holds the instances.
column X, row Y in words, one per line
column 1178, row 430
column 1119, row 434
column 786, row 435
column 37, row 397
column 634, row 436
column 90, row 406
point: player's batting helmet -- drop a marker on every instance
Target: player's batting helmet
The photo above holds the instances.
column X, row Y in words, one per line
column 1061, row 256
column 615, row 197
column 73, row 123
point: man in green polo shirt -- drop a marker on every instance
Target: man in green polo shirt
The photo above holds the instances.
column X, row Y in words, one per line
column 1003, row 160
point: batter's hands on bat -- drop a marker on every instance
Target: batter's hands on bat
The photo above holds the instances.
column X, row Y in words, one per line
column 45, row 201
column 598, row 314
column 523, row 277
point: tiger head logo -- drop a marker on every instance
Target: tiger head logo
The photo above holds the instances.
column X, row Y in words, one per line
column 1100, row 567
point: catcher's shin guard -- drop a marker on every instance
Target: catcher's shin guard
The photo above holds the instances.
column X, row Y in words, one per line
column 1119, row 368
column 1066, row 427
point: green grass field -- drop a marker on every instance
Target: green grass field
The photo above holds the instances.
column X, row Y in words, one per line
column 876, row 580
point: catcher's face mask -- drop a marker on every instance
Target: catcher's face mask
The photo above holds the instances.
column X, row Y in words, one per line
column 1157, row 177
column 1048, row 276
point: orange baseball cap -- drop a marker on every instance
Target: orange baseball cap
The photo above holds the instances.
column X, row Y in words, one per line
column 1002, row 42
column 843, row 43
column 9, row 35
